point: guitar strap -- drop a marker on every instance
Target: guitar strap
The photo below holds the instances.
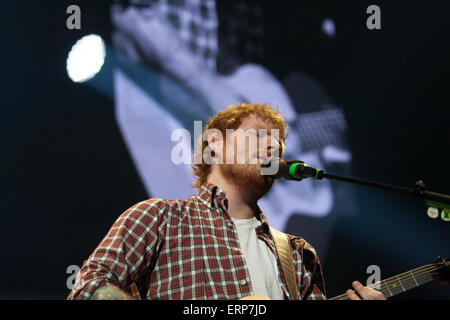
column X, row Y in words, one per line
column 284, row 251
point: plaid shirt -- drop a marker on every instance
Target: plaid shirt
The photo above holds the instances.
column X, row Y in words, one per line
column 187, row 249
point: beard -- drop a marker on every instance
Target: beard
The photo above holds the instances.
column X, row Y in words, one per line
column 247, row 178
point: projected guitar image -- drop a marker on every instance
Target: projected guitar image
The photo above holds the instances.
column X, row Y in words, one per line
column 178, row 88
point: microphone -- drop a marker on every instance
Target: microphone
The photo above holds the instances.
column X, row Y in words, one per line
column 291, row 170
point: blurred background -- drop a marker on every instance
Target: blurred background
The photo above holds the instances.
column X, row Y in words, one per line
column 87, row 117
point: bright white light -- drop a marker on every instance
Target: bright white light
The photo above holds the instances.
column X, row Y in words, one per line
column 86, row 58
column 328, row 27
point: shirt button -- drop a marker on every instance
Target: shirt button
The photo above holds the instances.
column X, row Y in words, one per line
column 235, row 249
column 230, row 224
column 243, row 282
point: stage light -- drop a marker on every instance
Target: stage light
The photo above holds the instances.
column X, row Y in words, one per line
column 86, row 58
column 328, row 27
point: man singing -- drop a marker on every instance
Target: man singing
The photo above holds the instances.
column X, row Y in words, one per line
column 216, row 244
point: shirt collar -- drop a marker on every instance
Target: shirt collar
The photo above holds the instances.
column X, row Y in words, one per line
column 210, row 194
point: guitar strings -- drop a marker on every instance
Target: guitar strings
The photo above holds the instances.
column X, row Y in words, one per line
column 414, row 280
column 387, row 282
column 421, row 273
column 384, row 285
column 418, row 273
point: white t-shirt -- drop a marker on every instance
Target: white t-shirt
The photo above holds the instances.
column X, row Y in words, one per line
column 261, row 261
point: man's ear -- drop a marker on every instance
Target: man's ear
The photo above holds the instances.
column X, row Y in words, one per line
column 215, row 142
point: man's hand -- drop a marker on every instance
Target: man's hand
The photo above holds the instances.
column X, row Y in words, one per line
column 364, row 293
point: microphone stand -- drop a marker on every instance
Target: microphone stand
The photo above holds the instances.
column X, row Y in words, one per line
column 435, row 201
column 297, row 170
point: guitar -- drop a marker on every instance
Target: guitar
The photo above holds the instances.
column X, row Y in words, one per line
column 438, row 271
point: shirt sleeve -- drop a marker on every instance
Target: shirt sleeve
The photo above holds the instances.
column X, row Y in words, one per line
column 126, row 252
column 309, row 271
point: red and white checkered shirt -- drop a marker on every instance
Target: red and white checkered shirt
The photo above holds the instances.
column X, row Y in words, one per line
column 187, row 249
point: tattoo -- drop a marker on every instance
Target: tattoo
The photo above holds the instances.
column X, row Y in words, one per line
column 110, row 293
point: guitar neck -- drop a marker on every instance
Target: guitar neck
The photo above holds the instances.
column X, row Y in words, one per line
column 321, row 128
column 402, row 282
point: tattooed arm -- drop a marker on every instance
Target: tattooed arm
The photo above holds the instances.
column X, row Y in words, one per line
column 110, row 293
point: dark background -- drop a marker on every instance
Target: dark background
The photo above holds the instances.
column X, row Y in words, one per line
column 66, row 175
